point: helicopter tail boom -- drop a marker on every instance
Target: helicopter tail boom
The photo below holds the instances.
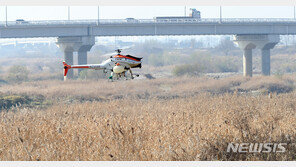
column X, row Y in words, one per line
column 67, row 67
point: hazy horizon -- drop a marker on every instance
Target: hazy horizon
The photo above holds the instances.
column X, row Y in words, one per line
column 141, row 12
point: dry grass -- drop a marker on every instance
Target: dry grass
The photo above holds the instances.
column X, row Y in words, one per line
column 196, row 128
column 143, row 89
column 162, row 119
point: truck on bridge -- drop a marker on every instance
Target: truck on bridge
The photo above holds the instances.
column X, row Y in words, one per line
column 194, row 16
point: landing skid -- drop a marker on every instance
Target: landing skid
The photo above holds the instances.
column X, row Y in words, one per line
column 113, row 79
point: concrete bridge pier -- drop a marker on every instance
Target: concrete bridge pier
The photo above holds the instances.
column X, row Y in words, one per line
column 246, row 43
column 249, row 42
column 82, row 59
column 265, row 61
column 82, row 55
column 248, row 62
column 265, row 53
column 81, row 44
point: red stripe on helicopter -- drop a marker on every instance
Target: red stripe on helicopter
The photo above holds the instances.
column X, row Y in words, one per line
column 121, row 56
column 80, row 67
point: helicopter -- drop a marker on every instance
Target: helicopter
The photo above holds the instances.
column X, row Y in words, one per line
column 117, row 65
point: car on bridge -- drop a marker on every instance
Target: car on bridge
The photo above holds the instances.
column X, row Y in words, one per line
column 21, row 21
column 131, row 20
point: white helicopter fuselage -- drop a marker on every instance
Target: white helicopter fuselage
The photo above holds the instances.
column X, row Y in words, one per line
column 110, row 63
column 118, row 64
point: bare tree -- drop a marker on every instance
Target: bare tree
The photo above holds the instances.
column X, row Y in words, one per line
column 225, row 46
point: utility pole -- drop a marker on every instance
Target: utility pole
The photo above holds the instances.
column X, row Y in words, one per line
column 185, row 11
column 68, row 12
column 294, row 19
column 6, row 16
column 294, row 13
column 220, row 14
column 98, row 14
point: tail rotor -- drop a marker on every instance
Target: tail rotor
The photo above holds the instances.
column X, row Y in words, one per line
column 66, row 68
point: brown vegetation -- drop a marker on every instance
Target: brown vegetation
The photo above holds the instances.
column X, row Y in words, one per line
column 162, row 119
column 196, row 128
column 143, row 89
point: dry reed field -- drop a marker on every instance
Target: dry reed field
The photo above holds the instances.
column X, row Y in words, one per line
column 162, row 119
column 143, row 89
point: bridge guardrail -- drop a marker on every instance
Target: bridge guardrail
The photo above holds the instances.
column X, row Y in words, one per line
column 154, row 21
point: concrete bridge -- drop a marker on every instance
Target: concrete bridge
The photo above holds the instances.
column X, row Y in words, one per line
column 79, row 36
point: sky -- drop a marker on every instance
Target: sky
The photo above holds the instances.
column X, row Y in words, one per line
column 140, row 12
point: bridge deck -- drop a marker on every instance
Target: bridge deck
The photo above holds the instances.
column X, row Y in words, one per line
column 154, row 21
column 144, row 27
